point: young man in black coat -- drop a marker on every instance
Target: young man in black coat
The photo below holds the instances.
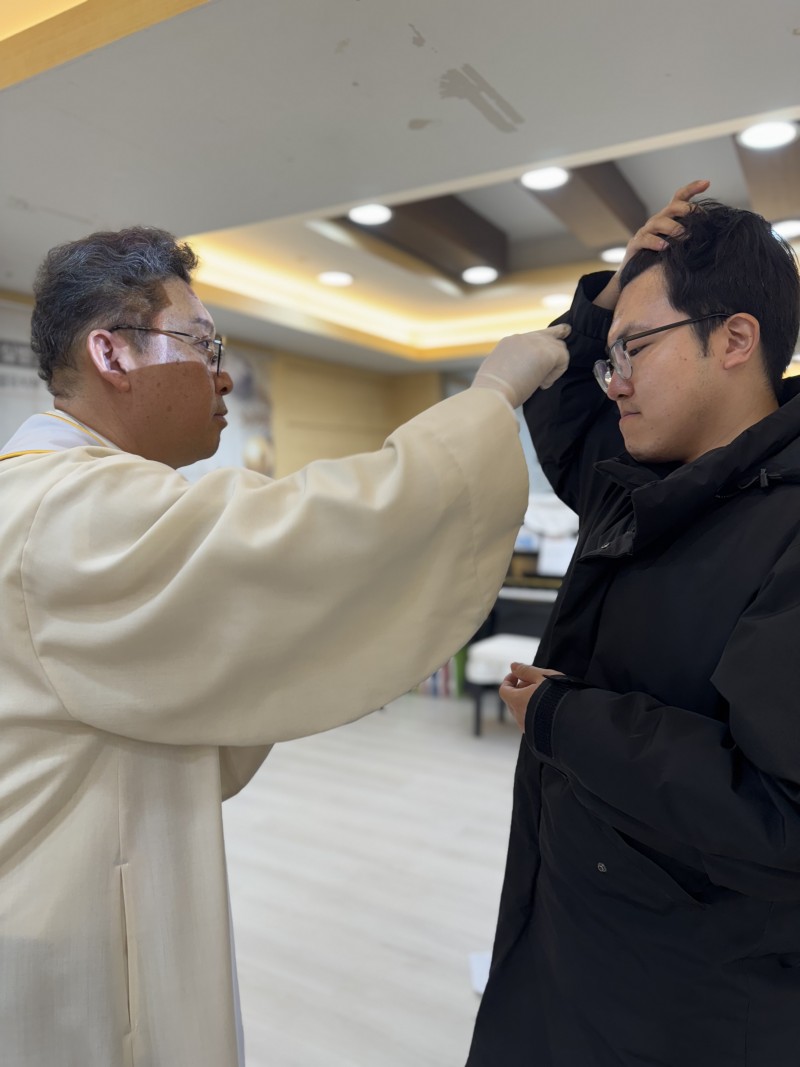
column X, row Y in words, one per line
column 651, row 908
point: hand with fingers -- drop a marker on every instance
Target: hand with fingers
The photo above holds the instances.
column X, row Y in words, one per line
column 665, row 223
column 524, row 362
column 518, row 687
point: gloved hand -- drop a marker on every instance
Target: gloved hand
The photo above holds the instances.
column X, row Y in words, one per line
column 524, row 362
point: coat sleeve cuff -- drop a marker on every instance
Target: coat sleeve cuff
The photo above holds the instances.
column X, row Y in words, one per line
column 541, row 713
column 587, row 318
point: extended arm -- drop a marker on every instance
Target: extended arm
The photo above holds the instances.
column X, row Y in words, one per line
column 242, row 611
column 573, row 424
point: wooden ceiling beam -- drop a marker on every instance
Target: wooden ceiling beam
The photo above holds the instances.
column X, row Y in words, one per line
column 773, row 180
column 597, row 205
column 444, row 233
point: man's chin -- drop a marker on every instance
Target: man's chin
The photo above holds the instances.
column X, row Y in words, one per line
column 649, row 454
column 210, row 451
column 200, row 453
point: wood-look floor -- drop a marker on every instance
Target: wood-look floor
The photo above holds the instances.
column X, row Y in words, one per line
column 365, row 866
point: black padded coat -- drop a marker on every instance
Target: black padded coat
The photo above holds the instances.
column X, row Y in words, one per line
column 650, row 915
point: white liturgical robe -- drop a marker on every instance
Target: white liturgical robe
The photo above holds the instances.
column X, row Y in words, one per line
column 158, row 636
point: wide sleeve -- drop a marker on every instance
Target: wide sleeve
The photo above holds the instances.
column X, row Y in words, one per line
column 244, row 611
column 573, row 424
column 729, row 792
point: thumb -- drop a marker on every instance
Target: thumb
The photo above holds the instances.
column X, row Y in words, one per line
column 525, row 672
column 562, row 330
column 559, row 366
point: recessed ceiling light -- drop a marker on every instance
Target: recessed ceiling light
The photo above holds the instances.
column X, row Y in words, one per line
column 370, row 214
column 545, row 178
column 338, row 278
column 479, row 275
column 557, row 300
column 768, row 135
column 788, row 229
column 613, row 255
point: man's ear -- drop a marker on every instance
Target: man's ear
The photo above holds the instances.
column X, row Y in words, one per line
column 108, row 354
column 742, row 337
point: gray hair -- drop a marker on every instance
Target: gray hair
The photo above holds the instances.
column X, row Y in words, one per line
column 99, row 281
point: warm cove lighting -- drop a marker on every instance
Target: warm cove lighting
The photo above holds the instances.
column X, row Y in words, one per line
column 336, row 278
column 545, row 178
column 768, row 135
column 556, row 300
column 370, row 214
column 789, row 229
column 272, row 294
column 51, row 33
column 613, row 255
column 18, row 17
column 479, row 275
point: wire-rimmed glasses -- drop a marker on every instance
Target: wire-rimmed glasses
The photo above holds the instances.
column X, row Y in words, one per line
column 213, row 348
column 619, row 356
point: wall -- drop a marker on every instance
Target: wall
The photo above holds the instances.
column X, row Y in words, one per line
column 15, row 320
column 21, row 389
column 411, row 393
column 322, row 410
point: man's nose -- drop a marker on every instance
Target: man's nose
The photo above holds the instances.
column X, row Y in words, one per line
column 223, row 383
column 619, row 386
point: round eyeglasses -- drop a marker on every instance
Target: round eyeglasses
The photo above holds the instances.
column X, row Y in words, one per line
column 620, row 356
column 213, row 348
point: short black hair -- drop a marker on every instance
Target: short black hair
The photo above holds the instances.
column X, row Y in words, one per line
column 730, row 260
column 101, row 280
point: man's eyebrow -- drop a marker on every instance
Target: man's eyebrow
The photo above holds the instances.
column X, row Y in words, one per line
column 628, row 329
column 203, row 322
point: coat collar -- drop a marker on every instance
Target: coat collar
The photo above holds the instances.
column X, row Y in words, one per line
column 667, row 497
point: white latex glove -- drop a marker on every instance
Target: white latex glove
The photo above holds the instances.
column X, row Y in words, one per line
column 524, row 362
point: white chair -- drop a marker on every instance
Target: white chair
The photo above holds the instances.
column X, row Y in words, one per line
column 488, row 663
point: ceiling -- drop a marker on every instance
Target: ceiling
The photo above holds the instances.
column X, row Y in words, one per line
column 252, row 126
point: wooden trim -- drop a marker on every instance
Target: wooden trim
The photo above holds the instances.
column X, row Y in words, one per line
column 773, row 179
column 597, row 205
column 10, row 296
column 443, row 232
column 81, row 29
